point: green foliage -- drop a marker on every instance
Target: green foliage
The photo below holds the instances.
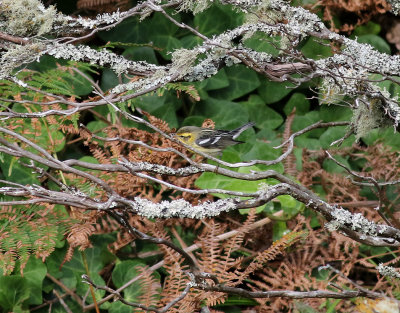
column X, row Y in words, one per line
column 241, row 81
column 14, row 292
column 369, row 34
column 316, row 49
column 124, row 272
column 217, row 19
column 30, row 232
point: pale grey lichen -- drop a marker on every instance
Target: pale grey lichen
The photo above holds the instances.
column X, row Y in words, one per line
column 395, row 6
column 100, row 57
column 195, row 6
column 367, row 116
column 263, row 189
column 382, row 229
column 71, row 24
column 206, row 68
column 299, row 20
column 364, row 56
column 330, row 91
column 352, row 65
column 17, row 55
column 26, row 17
column 198, row 6
column 183, row 60
column 388, row 271
column 159, row 78
column 357, row 222
column 105, row 18
column 181, row 208
column 339, row 67
column 162, row 169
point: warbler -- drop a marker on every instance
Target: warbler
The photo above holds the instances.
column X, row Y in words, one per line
column 210, row 141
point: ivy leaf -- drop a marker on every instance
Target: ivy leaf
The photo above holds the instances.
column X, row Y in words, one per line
column 14, row 291
column 242, row 80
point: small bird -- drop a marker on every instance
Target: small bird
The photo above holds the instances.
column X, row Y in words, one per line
column 210, row 141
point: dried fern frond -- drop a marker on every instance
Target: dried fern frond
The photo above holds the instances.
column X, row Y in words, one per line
column 27, row 231
column 277, row 248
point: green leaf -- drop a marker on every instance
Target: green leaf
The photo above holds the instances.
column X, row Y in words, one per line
column 272, row 92
column 334, row 113
column 168, row 44
column 109, row 79
column 71, row 272
column 290, row 206
column 225, row 114
column 59, row 140
column 279, row 230
column 14, row 290
column 316, row 50
column 370, row 28
column 287, row 201
column 129, row 30
column 212, row 180
column 79, row 85
column 241, row 81
column 335, row 133
column 387, row 136
column 301, row 122
column 259, row 42
column 264, row 151
column 261, row 114
column 82, row 289
column 94, row 126
column 162, row 106
column 141, row 54
column 34, row 273
column 14, row 171
column 125, row 271
column 157, row 30
column 309, row 143
column 190, row 41
column 332, row 167
column 298, row 101
column 217, row 19
column 159, row 24
column 218, row 81
column 119, row 307
column 49, row 76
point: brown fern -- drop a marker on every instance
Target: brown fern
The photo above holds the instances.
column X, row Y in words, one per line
column 151, row 287
column 277, row 248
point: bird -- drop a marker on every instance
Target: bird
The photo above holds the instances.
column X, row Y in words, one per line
column 210, row 141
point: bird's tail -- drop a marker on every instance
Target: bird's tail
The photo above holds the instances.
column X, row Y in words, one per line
column 236, row 132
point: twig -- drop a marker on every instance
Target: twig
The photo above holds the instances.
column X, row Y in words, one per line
column 64, row 305
column 192, row 248
column 371, row 179
column 66, row 289
column 115, row 293
column 346, row 294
